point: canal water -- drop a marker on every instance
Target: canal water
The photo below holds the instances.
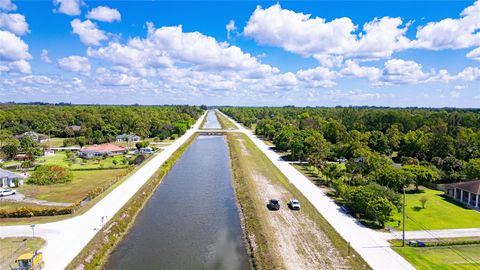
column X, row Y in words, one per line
column 191, row 221
column 212, row 121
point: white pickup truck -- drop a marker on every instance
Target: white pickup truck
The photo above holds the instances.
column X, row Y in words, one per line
column 294, row 204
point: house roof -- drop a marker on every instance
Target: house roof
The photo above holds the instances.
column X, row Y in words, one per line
column 108, row 147
column 9, row 174
column 122, row 136
column 470, row 186
column 75, row 127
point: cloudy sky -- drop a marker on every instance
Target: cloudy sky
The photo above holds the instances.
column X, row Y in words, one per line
column 326, row 53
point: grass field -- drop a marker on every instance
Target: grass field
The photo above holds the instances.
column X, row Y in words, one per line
column 241, row 165
column 439, row 258
column 60, row 158
column 54, row 142
column 82, row 183
column 440, row 213
column 12, row 247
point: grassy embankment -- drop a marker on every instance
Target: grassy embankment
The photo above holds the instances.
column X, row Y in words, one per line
column 95, row 254
column 12, row 247
column 224, row 122
column 203, row 121
column 253, row 210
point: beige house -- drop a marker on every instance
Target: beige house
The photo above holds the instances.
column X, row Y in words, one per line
column 467, row 192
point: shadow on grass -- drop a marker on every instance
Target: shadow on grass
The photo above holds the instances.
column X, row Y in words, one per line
column 417, row 208
column 453, row 201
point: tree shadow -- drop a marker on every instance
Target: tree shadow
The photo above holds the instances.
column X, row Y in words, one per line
column 417, row 208
column 453, row 201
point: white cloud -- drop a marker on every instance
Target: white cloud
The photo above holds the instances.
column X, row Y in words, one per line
column 88, row 32
column 352, row 68
column 14, row 23
column 21, row 66
column 113, row 78
column 12, row 48
column 104, row 14
column 7, row 5
column 452, row 33
column 44, row 57
column 328, row 42
column 474, row 54
column 317, row 77
column 75, row 63
column 398, row 71
column 68, row 7
column 166, row 46
column 231, row 28
column 468, row 74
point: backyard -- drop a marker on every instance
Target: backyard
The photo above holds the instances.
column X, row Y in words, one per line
column 439, row 213
column 448, row 257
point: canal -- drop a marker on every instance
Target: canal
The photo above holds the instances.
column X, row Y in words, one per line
column 212, row 121
column 191, row 221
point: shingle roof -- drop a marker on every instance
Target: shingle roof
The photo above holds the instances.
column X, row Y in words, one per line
column 9, row 174
column 104, row 148
column 470, row 186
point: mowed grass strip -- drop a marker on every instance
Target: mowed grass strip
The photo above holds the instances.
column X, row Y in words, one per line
column 224, row 122
column 439, row 258
column 12, row 247
column 439, row 213
column 252, row 210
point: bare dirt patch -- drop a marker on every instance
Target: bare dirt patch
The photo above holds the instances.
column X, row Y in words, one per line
column 299, row 241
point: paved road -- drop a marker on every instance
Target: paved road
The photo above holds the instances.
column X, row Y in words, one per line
column 371, row 245
column 66, row 238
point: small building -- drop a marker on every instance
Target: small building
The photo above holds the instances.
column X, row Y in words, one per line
column 40, row 138
column 48, row 153
column 128, row 138
column 75, row 128
column 101, row 150
column 9, row 179
column 467, row 192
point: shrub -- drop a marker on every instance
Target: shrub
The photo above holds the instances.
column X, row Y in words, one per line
column 50, row 174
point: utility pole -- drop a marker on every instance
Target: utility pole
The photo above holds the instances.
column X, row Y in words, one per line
column 403, row 222
column 33, row 230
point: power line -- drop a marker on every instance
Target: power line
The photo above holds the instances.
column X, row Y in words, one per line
column 467, row 258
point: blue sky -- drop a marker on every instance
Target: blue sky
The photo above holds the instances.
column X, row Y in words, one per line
column 325, row 53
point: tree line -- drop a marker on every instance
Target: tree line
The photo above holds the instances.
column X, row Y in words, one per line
column 391, row 148
column 90, row 124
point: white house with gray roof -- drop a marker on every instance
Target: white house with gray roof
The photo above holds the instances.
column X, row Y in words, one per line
column 9, row 179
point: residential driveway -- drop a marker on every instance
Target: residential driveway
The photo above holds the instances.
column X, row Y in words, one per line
column 66, row 238
column 371, row 245
column 21, row 198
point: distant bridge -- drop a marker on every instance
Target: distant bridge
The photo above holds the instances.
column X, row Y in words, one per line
column 216, row 131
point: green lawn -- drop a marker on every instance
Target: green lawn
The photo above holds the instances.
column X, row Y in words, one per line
column 440, row 213
column 54, row 142
column 437, row 258
column 82, row 183
column 60, row 158
column 224, row 122
column 12, row 247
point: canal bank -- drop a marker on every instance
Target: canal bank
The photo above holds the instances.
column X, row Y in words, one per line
column 210, row 232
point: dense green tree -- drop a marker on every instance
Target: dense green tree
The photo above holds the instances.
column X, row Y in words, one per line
column 422, row 175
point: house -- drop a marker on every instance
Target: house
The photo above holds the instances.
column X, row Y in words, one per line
column 40, row 138
column 9, row 179
column 101, row 150
column 467, row 192
column 128, row 138
column 75, row 128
